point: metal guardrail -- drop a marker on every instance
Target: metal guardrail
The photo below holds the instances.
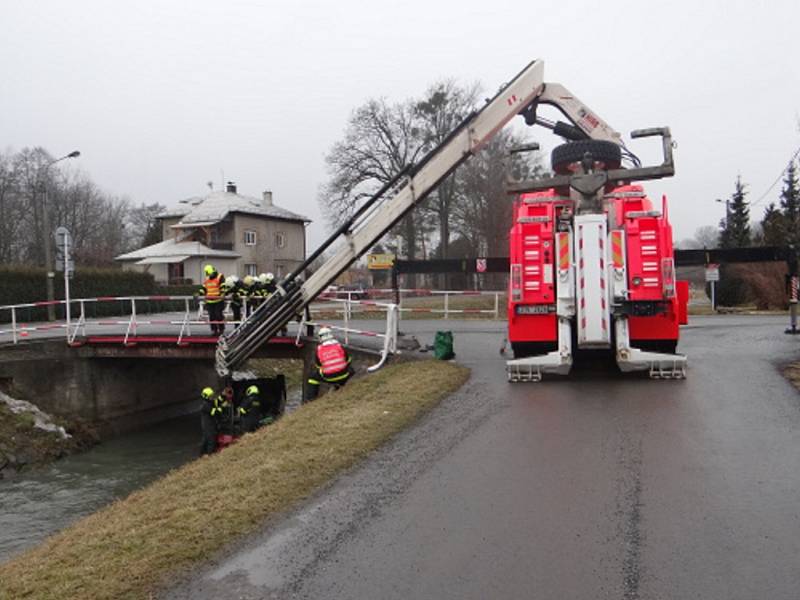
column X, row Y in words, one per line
column 75, row 326
column 192, row 315
column 389, row 336
column 351, row 297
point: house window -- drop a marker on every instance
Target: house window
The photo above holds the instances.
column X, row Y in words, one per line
column 279, row 271
column 249, row 238
column 280, row 239
column 175, row 273
column 251, row 269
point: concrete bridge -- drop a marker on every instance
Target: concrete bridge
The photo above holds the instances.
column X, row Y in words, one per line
column 120, row 386
column 126, row 371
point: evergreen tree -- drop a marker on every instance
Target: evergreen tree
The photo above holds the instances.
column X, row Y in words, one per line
column 790, row 204
column 735, row 229
column 773, row 228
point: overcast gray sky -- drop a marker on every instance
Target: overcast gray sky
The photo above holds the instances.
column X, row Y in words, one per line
column 160, row 97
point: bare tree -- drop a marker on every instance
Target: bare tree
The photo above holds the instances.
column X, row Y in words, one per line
column 30, row 172
column 142, row 226
column 95, row 219
column 482, row 214
column 11, row 211
column 444, row 106
column 381, row 139
column 706, row 236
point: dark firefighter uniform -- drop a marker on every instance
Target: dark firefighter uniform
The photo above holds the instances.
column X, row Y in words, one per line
column 208, row 420
column 250, row 409
column 226, row 413
column 331, row 364
column 234, row 287
column 249, row 294
column 269, row 286
column 215, row 301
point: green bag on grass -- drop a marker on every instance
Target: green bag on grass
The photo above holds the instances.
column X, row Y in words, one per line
column 443, row 345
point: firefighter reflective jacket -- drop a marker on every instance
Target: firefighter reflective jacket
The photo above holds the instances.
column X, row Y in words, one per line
column 213, row 289
column 332, row 358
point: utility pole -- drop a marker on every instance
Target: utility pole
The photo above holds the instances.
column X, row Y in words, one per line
column 48, row 255
column 47, row 237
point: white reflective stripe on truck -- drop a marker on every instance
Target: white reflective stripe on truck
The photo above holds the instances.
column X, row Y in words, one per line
column 592, row 288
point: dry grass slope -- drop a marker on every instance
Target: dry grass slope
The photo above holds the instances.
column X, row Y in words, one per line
column 129, row 548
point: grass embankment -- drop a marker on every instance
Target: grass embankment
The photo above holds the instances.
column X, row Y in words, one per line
column 792, row 373
column 127, row 549
column 290, row 368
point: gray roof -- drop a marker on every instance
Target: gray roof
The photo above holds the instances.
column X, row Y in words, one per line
column 217, row 205
column 173, row 248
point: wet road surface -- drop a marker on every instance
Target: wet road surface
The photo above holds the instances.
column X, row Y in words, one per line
column 595, row 486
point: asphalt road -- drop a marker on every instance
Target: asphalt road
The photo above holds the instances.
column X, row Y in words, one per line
column 595, row 486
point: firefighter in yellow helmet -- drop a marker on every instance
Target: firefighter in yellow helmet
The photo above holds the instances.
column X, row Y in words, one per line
column 209, row 409
column 214, row 298
column 250, row 409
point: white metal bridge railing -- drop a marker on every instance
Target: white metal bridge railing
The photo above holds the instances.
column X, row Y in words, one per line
column 407, row 294
column 137, row 314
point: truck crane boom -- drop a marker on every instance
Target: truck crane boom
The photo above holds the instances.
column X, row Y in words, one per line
column 399, row 196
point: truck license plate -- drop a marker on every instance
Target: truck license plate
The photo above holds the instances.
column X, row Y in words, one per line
column 534, row 309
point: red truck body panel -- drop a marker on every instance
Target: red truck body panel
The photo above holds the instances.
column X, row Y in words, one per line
column 649, row 262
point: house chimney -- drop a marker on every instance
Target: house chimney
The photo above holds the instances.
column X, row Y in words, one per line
column 267, row 196
column 231, row 187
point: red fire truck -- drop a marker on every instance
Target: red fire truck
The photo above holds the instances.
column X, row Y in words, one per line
column 592, row 266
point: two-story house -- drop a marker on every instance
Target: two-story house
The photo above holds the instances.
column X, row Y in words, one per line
column 238, row 234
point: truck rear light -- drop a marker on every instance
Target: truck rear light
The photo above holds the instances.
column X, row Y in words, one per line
column 516, row 283
column 668, row 277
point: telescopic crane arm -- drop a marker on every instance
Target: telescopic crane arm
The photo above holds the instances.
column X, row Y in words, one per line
column 585, row 124
column 383, row 210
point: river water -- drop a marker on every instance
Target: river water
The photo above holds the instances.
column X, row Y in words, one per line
column 38, row 503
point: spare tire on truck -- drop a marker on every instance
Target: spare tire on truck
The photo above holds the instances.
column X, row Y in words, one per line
column 607, row 153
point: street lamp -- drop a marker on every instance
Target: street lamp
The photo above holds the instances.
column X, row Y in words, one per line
column 48, row 241
column 727, row 202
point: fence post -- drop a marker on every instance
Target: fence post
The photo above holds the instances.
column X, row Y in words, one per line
column 399, row 304
column 82, row 319
column 349, row 305
column 497, row 305
column 395, row 314
column 347, row 320
column 14, row 324
column 793, row 298
column 446, row 304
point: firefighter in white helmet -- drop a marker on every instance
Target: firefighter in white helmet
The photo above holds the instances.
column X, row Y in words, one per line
column 331, row 364
column 249, row 292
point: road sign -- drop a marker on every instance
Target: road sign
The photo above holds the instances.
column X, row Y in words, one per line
column 65, row 263
column 63, row 238
column 712, row 272
column 69, row 263
column 480, row 265
column 63, row 257
column 63, row 244
column 380, row 261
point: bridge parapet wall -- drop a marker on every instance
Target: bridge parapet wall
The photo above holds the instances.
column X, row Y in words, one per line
column 125, row 387
column 120, row 388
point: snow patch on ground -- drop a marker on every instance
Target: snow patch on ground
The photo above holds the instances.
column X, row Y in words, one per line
column 41, row 420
